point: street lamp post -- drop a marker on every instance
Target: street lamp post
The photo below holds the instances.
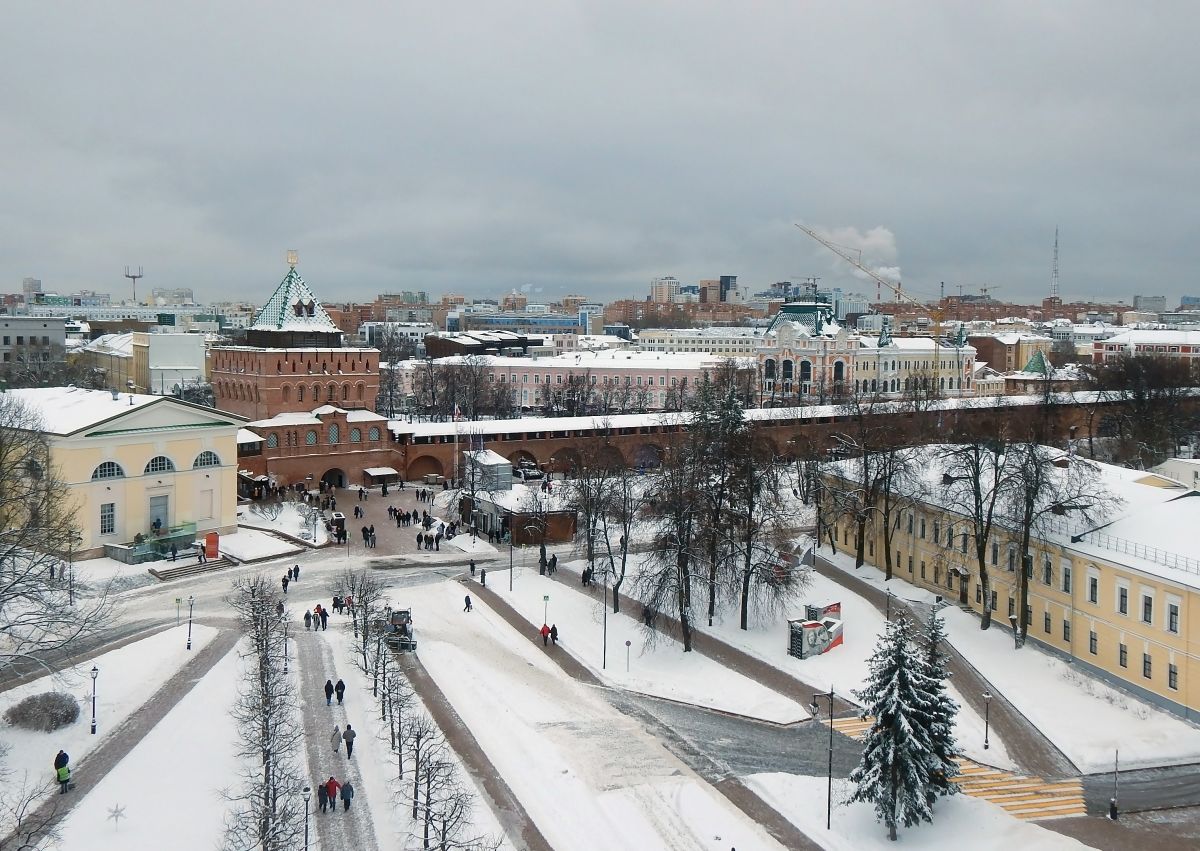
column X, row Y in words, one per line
column 510, row 551
column 191, row 603
column 285, row 647
column 95, row 673
column 307, row 794
column 987, row 716
column 604, row 631
column 816, row 711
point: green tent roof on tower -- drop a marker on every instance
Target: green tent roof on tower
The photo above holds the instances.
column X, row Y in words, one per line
column 1039, row 364
column 293, row 307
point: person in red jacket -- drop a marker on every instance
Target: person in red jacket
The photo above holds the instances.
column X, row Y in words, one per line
column 545, row 631
column 331, row 790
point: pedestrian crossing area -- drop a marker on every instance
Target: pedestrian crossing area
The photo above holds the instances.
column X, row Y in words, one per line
column 1022, row 797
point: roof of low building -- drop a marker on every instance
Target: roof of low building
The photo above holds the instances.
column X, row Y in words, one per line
column 67, row 410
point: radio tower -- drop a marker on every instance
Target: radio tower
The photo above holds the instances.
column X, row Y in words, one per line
column 134, row 277
column 1054, row 268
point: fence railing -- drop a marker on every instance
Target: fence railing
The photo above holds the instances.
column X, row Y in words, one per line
column 1154, row 554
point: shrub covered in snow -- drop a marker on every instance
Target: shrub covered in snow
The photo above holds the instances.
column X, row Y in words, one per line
column 46, row 712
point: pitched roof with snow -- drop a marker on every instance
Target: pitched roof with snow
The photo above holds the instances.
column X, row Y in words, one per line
column 293, row 307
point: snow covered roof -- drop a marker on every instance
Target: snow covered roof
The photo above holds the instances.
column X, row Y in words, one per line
column 1157, row 338
column 286, row 418
column 120, row 345
column 487, row 458
column 356, row 415
column 244, row 436
column 67, row 410
column 293, row 307
column 523, row 499
column 592, row 359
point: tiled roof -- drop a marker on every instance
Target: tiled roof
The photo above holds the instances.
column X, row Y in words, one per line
column 293, row 307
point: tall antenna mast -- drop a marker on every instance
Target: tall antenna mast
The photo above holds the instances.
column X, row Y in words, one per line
column 134, row 277
column 1054, row 268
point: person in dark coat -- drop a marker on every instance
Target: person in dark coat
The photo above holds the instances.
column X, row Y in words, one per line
column 174, row 552
column 331, row 789
column 296, row 573
column 329, row 692
column 472, row 567
column 340, row 688
column 322, row 796
column 420, row 540
column 347, row 793
column 61, row 759
column 554, row 633
column 285, row 581
column 349, row 735
column 437, row 541
column 324, row 618
column 308, row 620
column 467, row 603
column 483, row 577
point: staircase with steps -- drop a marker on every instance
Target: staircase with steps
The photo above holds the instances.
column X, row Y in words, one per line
column 1022, row 797
column 190, row 569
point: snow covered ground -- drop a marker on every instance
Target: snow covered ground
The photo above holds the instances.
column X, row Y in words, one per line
column 99, row 571
column 128, row 678
column 1085, row 718
column 661, row 669
column 958, row 821
column 289, row 522
column 253, row 544
column 588, row 775
column 476, row 546
column 169, row 785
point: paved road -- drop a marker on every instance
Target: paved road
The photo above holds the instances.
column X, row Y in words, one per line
column 1145, row 789
column 350, row 830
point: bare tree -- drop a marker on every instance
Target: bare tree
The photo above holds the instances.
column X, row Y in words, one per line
column 28, row 821
column 366, row 591
column 394, row 347
column 42, row 608
column 266, row 811
column 1157, row 409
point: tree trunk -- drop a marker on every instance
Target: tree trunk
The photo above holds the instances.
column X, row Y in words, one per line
column 860, row 541
column 985, row 581
column 684, row 595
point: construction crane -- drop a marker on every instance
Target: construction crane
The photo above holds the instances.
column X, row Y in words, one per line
column 935, row 314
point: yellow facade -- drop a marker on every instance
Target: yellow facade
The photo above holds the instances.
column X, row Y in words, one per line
column 1076, row 604
column 110, row 453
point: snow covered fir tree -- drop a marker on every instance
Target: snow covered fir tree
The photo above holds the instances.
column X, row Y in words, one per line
column 907, row 756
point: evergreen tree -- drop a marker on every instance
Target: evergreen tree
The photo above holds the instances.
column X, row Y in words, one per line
column 942, row 769
column 902, row 751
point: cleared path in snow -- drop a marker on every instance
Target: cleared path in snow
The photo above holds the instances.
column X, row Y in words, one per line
column 353, row 829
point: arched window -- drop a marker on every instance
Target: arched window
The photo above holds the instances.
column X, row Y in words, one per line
column 788, row 370
column 299, row 393
column 839, row 371
column 108, row 470
column 330, row 393
column 159, row 464
column 360, row 390
column 272, row 441
column 316, row 396
column 356, row 435
column 769, row 369
column 345, row 392
column 206, row 459
column 334, row 433
column 310, row 438
column 287, row 392
column 805, row 371
column 373, row 434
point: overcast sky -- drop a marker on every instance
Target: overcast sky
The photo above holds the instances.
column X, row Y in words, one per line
column 588, row 147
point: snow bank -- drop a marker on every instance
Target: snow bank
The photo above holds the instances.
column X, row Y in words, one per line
column 289, row 521
column 186, row 809
column 252, row 544
column 661, row 669
column 958, row 821
column 128, row 678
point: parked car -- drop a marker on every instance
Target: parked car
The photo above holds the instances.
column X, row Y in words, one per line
column 527, row 471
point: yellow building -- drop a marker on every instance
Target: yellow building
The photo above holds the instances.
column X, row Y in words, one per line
column 1115, row 596
column 140, row 465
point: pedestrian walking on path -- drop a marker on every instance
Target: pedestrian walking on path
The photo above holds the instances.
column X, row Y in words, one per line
column 324, row 618
column 331, row 789
column 483, row 576
column 340, row 688
column 554, row 634
column 286, row 579
column 472, row 568
column 336, row 738
column 349, row 736
column 467, row 603
column 174, row 552
column 63, row 775
column 329, row 692
column 61, row 759
column 322, row 796
column 296, row 573
column 307, row 620
column 347, row 795
column 545, row 632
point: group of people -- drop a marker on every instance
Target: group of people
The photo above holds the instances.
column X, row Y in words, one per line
column 424, row 495
column 317, row 617
column 339, row 735
column 292, row 575
column 429, row 540
column 549, row 633
column 328, row 792
column 368, row 535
